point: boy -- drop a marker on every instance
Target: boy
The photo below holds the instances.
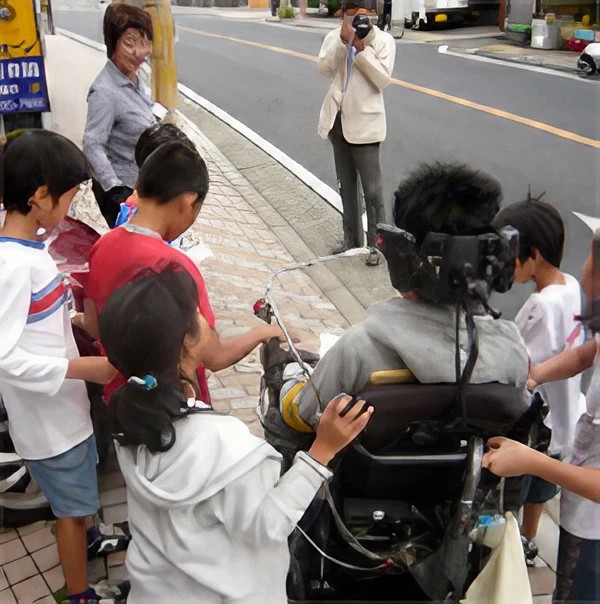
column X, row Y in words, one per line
column 171, row 187
column 578, row 566
column 548, row 326
column 150, row 140
column 40, row 370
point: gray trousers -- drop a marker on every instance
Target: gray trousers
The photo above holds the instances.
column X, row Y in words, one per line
column 352, row 161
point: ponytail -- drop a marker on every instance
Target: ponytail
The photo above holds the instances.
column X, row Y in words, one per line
column 142, row 416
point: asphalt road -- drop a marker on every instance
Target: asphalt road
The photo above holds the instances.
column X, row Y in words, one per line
column 279, row 96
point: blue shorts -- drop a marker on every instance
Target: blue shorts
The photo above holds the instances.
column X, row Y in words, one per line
column 540, row 490
column 69, row 480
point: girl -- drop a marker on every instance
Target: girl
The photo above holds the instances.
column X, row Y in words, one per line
column 209, row 512
column 578, row 568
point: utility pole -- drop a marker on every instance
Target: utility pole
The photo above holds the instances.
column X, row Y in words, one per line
column 164, row 69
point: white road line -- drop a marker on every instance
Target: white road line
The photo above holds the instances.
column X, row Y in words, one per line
column 443, row 49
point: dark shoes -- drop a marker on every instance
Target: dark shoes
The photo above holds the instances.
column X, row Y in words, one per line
column 530, row 549
column 107, row 544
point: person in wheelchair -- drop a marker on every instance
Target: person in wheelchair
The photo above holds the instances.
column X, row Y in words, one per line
column 411, row 337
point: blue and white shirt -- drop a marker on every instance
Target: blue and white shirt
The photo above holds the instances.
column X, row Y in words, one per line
column 118, row 112
column 47, row 413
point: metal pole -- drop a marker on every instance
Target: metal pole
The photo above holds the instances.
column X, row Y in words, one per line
column 397, row 28
column 164, row 69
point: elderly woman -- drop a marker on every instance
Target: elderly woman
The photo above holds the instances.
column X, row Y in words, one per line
column 119, row 108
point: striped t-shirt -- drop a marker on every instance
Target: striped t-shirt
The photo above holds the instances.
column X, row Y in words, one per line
column 47, row 413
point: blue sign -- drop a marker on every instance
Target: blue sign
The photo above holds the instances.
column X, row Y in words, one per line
column 23, row 85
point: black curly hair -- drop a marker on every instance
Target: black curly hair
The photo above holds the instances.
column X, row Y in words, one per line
column 450, row 198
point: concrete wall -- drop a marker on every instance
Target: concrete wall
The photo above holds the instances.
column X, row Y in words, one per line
column 70, row 70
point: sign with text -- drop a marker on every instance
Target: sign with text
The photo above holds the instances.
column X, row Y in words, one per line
column 22, row 77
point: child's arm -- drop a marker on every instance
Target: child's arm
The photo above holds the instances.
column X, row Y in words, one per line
column 218, row 354
column 565, row 365
column 88, row 319
column 259, row 511
column 91, row 369
column 509, row 458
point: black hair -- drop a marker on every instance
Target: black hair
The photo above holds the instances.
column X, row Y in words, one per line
column 118, row 18
column 540, row 227
column 155, row 136
column 172, row 169
column 37, row 158
column 449, row 198
column 142, row 328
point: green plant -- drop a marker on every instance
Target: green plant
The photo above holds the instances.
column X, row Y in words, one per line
column 313, row 3
column 287, row 12
column 333, row 6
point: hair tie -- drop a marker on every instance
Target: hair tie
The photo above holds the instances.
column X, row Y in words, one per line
column 148, row 382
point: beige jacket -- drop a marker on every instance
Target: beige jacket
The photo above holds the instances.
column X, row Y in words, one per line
column 363, row 112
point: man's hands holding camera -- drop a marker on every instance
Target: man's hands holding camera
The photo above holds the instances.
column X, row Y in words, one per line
column 348, row 32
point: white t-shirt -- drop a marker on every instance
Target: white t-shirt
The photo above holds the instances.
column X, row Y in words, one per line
column 580, row 516
column 47, row 414
column 548, row 326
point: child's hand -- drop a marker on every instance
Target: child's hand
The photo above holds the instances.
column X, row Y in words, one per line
column 334, row 431
column 509, row 458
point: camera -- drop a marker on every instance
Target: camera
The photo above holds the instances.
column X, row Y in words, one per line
column 362, row 24
column 450, row 269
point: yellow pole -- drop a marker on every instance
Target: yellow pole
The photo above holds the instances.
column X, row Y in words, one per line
column 164, row 70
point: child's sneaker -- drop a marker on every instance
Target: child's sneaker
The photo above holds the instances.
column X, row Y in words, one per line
column 103, row 545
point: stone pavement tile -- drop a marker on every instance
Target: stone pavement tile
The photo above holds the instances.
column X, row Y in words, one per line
column 8, row 535
column 32, row 528
column 7, row 597
column 11, row 550
column 542, row 580
column 31, row 590
column 55, row 578
column 46, row 558
column 46, row 600
column 244, row 403
column 3, row 581
column 19, row 570
column 39, row 540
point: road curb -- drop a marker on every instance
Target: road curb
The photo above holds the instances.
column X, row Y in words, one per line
column 299, row 171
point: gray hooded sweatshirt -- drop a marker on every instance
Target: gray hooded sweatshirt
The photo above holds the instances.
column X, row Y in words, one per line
column 210, row 517
column 406, row 334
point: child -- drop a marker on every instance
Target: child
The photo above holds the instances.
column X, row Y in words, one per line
column 150, row 140
column 548, row 326
column 40, row 370
column 578, row 568
column 172, row 186
column 209, row 512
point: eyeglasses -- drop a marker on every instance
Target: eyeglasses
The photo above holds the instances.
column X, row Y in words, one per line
column 132, row 42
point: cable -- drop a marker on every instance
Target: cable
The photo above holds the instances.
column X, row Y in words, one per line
column 387, row 564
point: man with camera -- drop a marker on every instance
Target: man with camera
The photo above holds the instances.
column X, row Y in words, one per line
column 358, row 59
column 441, row 243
